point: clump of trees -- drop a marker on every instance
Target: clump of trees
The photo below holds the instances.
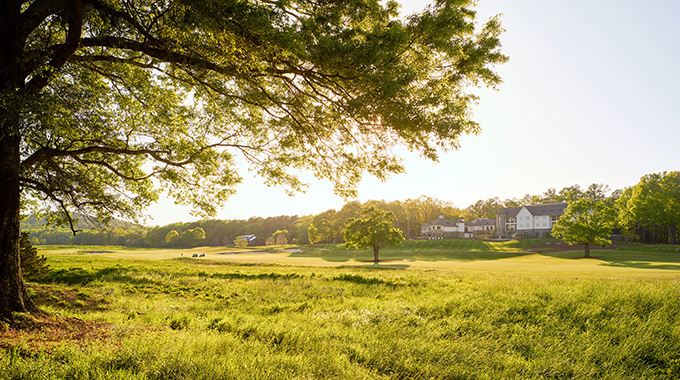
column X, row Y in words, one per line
column 224, row 232
column 650, row 210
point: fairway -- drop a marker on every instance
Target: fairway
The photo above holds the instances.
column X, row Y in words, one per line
column 452, row 254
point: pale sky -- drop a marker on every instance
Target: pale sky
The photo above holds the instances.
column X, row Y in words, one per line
column 591, row 94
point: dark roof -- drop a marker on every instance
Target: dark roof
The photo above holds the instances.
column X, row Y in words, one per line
column 509, row 212
column 547, row 209
column 535, row 210
column 481, row 222
column 441, row 222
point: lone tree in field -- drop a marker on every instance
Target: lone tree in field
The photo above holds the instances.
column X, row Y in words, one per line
column 586, row 221
column 374, row 229
column 104, row 104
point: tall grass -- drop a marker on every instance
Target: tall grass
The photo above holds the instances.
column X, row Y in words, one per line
column 183, row 319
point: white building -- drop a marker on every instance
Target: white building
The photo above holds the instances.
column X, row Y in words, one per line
column 444, row 228
column 534, row 220
column 482, row 227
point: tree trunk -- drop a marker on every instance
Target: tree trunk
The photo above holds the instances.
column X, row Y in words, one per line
column 672, row 231
column 376, row 249
column 587, row 247
column 13, row 296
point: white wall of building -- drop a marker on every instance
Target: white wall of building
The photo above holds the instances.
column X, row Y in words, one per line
column 525, row 221
column 459, row 227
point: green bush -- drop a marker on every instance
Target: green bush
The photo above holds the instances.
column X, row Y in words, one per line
column 33, row 267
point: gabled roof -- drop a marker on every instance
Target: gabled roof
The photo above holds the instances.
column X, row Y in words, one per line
column 250, row 237
column 441, row 222
column 481, row 222
column 547, row 209
column 536, row 210
column 509, row 212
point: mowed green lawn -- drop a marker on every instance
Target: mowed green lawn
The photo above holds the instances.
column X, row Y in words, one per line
column 453, row 254
column 449, row 309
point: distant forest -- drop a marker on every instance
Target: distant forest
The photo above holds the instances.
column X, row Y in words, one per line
column 328, row 226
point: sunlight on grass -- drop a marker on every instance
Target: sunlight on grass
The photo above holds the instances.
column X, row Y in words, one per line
column 450, row 254
column 218, row 319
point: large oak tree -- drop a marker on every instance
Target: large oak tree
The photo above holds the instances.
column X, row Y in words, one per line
column 586, row 221
column 374, row 229
column 105, row 102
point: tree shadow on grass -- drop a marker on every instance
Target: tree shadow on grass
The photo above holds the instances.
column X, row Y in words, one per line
column 385, row 266
column 80, row 276
column 623, row 259
column 642, row 265
column 118, row 274
column 386, row 255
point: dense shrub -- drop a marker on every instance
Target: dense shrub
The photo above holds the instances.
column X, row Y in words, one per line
column 33, row 267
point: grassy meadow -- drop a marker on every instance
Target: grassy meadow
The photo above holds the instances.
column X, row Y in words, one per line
column 445, row 309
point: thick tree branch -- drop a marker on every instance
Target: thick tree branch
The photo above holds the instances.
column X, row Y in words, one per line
column 115, row 171
column 47, row 153
column 36, row 13
column 125, row 16
column 112, row 59
column 164, row 55
column 63, row 52
column 50, row 193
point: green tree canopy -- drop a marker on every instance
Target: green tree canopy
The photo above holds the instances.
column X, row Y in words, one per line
column 280, row 237
column 484, row 209
column 172, row 238
column 106, row 103
column 193, row 237
column 241, row 241
column 323, row 228
column 374, row 229
column 586, row 221
column 656, row 200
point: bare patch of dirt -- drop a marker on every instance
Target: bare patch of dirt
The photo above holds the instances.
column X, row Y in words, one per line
column 43, row 295
column 31, row 333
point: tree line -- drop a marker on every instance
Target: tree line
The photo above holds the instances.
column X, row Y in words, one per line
column 213, row 232
column 647, row 212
